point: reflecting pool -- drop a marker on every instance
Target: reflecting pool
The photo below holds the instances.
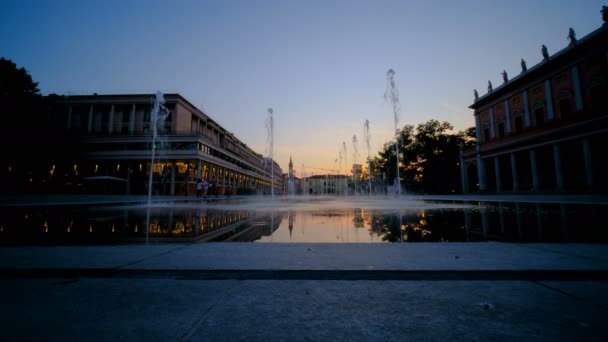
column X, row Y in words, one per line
column 332, row 220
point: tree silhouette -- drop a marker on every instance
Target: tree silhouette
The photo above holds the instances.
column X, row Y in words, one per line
column 31, row 137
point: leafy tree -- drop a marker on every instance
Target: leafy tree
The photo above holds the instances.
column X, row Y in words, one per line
column 33, row 135
column 429, row 156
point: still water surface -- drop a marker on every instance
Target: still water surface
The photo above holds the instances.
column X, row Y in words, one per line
column 322, row 221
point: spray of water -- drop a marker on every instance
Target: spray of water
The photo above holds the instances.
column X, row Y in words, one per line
column 345, row 166
column 157, row 119
column 367, row 136
column 391, row 94
column 355, row 153
column 270, row 147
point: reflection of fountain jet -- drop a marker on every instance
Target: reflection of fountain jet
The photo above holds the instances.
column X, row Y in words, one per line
column 291, row 219
column 158, row 116
column 358, row 219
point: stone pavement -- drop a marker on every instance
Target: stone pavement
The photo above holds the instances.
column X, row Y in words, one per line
column 310, row 292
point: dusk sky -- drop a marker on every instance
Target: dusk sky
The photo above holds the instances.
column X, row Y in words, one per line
column 321, row 65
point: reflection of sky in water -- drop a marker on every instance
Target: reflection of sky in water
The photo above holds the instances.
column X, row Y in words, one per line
column 306, row 221
column 324, row 226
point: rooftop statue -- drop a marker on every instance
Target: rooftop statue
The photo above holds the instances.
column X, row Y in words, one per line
column 489, row 86
column 524, row 68
column 572, row 36
column 505, row 77
column 545, row 52
column 604, row 12
column 476, row 95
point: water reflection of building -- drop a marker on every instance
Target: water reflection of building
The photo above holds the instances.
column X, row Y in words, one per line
column 116, row 143
column 536, row 222
column 358, row 219
column 77, row 224
column 544, row 128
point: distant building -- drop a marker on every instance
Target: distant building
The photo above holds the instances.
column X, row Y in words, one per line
column 115, row 137
column 546, row 128
column 326, row 184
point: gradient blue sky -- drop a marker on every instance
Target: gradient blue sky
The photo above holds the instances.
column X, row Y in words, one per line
column 320, row 64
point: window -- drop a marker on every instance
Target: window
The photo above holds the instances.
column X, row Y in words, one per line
column 539, row 116
column 486, row 134
column 565, row 110
column 519, row 123
column 501, row 129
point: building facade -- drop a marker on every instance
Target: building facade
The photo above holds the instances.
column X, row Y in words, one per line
column 116, row 146
column 545, row 129
column 326, row 184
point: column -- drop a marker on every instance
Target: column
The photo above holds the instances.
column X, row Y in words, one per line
column 90, row 123
column 588, row 162
column 173, row 172
column 549, row 100
column 514, row 172
column 492, row 133
column 111, row 120
column 507, row 117
column 534, row 170
column 132, row 120
column 481, row 174
column 576, row 83
column 526, row 110
column 477, row 128
column 557, row 162
column 224, row 180
column 497, row 174
column 199, row 168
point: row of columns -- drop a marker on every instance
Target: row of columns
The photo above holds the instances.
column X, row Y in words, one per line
column 229, row 177
column 111, row 119
column 534, row 172
column 578, row 100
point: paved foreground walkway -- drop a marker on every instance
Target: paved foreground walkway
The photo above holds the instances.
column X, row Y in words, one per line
column 305, row 292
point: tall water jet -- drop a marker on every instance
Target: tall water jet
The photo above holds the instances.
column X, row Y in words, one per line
column 270, row 146
column 367, row 137
column 157, row 119
column 339, row 170
column 355, row 152
column 345, row 167
column 391, row 94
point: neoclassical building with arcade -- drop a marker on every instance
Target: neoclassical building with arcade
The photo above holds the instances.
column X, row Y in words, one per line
column 115, row 149
column 545, row 130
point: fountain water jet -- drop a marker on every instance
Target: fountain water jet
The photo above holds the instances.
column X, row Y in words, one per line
column 355, row 152
column 391, row 94
column 157, row 118
column 345, row 167
column 367, row 136
column 270, row 143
